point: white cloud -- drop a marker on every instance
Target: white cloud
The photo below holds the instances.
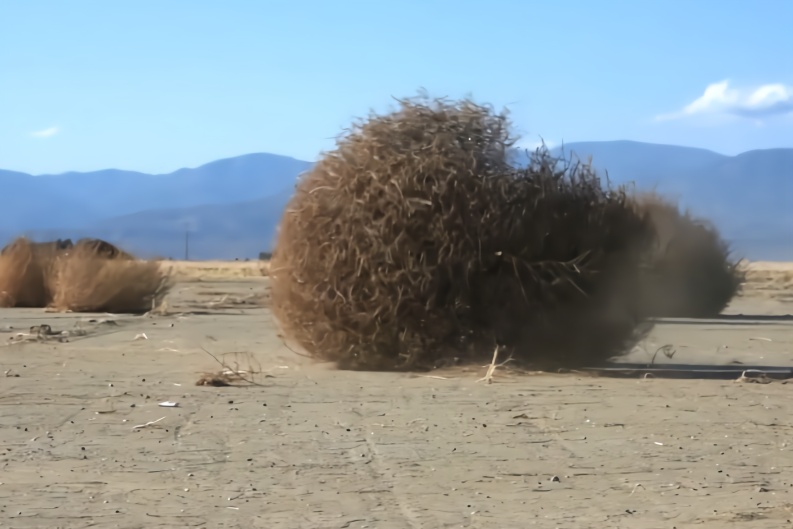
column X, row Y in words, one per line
column 533, row 145
column 46, row 133
column 748, row 102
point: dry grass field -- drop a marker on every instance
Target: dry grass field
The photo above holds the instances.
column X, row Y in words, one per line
column 102, row 424
column 214, row 270
column 772, row 279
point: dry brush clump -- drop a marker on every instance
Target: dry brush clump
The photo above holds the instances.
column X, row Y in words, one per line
column 103, row 249
column 26, row 271
column 415, row 241
column 692, row 273
column 88, row 276
column 21, row 276
column 95, row 278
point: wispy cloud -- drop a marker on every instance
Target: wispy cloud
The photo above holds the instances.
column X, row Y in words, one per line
column 532, row 145
column 45, row 133
column 755, row 103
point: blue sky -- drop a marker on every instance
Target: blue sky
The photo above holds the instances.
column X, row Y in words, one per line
column 155, row 86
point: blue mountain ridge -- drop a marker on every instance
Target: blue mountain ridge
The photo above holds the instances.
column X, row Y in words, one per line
column 87, row 199
column 230, row 208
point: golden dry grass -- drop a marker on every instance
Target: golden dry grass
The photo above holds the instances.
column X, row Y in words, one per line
column 85, row 281
column 768, row 278
column 216, row 270
column 780, row 267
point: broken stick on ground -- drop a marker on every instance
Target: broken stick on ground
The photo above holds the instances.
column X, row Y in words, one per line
column 491, row 368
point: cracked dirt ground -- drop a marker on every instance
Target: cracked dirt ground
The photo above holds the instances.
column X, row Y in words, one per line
column 312, row 447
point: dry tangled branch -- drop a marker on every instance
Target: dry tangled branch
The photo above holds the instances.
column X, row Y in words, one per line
column 235, row 369
column 415, row 241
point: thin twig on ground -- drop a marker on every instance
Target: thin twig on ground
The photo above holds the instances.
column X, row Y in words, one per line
column 150, row 423
column 491, row 369
column 668, row 351
column 760, row 378
column 230, row 375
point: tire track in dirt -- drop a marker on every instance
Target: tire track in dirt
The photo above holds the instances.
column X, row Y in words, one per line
column 379, row 475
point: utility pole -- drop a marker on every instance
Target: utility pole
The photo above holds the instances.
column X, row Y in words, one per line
column 186, row 245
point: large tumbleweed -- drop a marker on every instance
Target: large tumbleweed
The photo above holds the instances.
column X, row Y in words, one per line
column 415, row 242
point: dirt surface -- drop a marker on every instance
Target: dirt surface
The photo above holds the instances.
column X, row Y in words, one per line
column 312, row 447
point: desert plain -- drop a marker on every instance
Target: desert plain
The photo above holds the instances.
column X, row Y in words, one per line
column 102, row 425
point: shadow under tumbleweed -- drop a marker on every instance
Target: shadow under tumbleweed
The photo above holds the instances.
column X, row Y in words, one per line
column 416, row 242
column 737, row 372
column 730, row 320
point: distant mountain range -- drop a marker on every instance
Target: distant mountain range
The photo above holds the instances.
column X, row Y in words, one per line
column 230, row 208
column 749, row 197
column 86, row 199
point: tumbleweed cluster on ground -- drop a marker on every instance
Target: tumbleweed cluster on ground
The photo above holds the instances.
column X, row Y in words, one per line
column 89, row 276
